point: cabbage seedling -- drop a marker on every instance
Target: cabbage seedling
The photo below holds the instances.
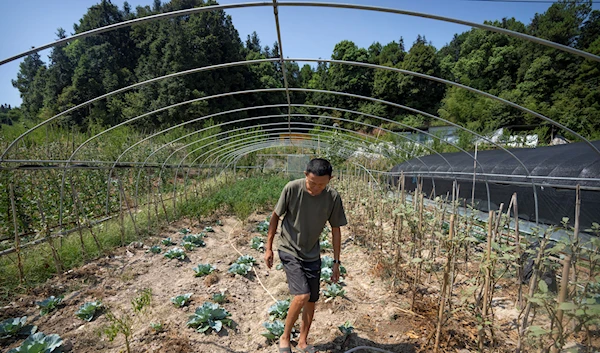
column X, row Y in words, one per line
column 188, row 246
column 181, row 300
column 49, row 304
column 220, row 298
column 279, row 310
column 258, row 243
column 209, row 316
column 196, row 239
column 184, row 231
column 209, row 229
column 346, row 328
column 219, row 223
column 156, row 249
column 274, row 329
column 167, row 242
column 175, row 253
column 88, row 310
column 246, row 259
column 203, row 270
column 334, row 290
column 263, row 227
column 39, row 343
column 239, row 269
column 16, row 327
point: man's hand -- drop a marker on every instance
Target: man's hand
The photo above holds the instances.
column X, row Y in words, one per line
column 269, row 259
column 336, row 273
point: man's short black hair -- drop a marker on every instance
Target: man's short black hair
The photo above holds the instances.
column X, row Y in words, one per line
column 319, row 167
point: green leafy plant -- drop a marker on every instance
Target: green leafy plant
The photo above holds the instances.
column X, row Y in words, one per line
column 141, row 302
column 263, row 227
column 334, row 290
column 88, row 310
column 39, row 343
column 279, row 310
column 123, row 323
column 49, row 304
column 209, row 316
column 157, row 326
column 175, row 253
column 258, row 243
column 325, row 244
column 220, row 298
column 246, row 259
column 239, row 269
column 326, row 274
column 209, row 229
column 167, row 242
column 184, row 231
column 16, row 327
column 219, row 223
column 346, row 328
column 119, row 324
column 188, row 246
column 274, row 329
column 155, row 249
column 196, row 239
column 203, row 270
column 181, row 300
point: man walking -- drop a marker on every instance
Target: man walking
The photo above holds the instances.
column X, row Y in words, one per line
column 306, row 205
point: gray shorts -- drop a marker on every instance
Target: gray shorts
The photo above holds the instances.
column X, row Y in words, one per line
column 302, row 276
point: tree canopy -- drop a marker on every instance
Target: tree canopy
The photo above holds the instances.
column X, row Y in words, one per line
column 559, row 85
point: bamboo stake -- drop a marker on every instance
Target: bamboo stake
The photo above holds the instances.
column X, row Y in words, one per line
column 17, row 239
column 127, row 205
column 445, row 285
column 121, row 219
column 519, row 255
column 55, row 256
column 78, row 211
column 488, row 275
column 564, row 283
column 533, row 283
column 149, row 198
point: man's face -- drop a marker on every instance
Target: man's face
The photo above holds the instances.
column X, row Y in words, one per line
column 316, row 184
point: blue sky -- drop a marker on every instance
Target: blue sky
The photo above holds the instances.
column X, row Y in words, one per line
column 307, row 32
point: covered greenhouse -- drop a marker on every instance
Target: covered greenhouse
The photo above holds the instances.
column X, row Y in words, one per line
column 140, row 172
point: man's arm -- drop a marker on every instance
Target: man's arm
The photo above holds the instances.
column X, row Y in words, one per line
column 270, row 237
column 336, row 234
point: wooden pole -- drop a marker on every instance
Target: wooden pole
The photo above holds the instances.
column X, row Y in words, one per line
column 127, row 205
column 55, row 256
column 17, row 238
column 445, row 285
column 518, row 248
column 488, row 279
column 564, row 282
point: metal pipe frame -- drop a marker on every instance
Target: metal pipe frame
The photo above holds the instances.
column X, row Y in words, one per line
column 282, row 61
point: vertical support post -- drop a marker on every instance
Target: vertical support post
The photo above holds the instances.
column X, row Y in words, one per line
column 55, row 256
column 518, row 248
column 127, row 205
column 445, row 285
column 564, row 282
column 17, row 238
column 488, row 278
column 121, row 219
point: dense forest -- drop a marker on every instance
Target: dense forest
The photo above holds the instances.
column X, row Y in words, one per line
column 561, row 86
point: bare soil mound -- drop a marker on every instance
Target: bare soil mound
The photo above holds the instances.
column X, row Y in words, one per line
column 380, row 317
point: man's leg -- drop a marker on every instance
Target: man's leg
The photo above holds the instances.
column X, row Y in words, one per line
column 300, row 301
column 307, row 318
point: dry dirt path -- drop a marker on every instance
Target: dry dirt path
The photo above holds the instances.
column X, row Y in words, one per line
column 379, row 316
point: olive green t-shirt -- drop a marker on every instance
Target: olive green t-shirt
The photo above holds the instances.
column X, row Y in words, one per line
column 304, row 217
